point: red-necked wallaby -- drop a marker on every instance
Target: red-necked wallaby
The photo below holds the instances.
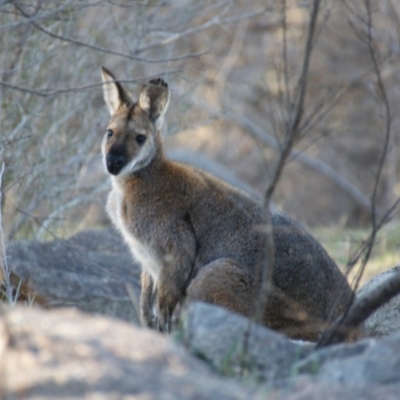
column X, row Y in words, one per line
column 198, row 238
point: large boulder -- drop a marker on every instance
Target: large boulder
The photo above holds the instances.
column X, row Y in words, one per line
column 365, row 363
column 71, row 355
column 236, row 347
column 92, row 271
column 64, row 353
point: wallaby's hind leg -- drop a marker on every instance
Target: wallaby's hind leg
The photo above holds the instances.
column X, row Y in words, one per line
column 224, row 283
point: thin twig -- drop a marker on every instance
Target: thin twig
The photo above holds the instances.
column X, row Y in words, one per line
column 49, row 93
column 104, row 50
column 360, row 198
column 215, row 21
column 388, row 120
column 285, row 54
column 4, row 261
column 292, row 131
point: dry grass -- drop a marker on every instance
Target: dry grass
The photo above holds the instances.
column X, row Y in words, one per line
column 343, row 243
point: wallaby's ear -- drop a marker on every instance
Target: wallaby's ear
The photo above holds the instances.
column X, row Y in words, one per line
column 114, row 94
column 154, row 100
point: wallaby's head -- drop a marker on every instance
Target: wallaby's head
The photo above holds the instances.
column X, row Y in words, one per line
column 132, row 140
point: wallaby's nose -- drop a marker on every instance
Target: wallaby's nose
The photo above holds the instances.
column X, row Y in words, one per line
column 115, row 162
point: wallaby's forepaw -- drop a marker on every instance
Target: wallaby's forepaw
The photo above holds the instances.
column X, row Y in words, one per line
column 163, row 322
column 159, row 82
column 163, row 327
column 149, row 321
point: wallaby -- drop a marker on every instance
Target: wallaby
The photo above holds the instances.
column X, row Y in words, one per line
column 198, row 238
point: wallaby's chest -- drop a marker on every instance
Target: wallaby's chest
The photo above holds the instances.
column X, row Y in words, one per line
column 133, row 229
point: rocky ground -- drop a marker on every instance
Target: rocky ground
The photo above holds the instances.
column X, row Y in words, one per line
column 59, row 346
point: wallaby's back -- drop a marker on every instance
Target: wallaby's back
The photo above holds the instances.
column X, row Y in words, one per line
column 311, row 282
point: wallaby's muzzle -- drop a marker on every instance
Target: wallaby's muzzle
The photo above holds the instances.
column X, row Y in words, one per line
column 115, row 163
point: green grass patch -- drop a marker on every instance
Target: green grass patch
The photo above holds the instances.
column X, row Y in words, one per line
column 343, row 244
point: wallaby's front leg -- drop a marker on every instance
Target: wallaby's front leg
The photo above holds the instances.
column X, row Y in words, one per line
column 147, row 296
column 175, row 275
column 168, row 296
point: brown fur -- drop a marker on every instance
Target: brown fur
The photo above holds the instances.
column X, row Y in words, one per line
column 197, row 237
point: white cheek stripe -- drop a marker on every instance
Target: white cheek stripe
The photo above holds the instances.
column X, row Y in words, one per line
column 143, row 159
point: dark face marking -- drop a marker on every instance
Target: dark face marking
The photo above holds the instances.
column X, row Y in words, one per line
column 129, row 141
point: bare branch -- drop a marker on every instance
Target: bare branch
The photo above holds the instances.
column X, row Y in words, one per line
column 44, row 226
column 50, row 93
column 354, row 314
column 292, row 131
column 285, row 54
column 360, row 198
column 104, row 50
column 388, row 120
column 35, row 17
column 3, row 260
column 215, row 21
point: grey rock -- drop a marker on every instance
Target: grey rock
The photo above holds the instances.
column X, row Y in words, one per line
column 233, row 346
column 369, row 361
column 221, row 338
column 386, row 320
column 307, row 388
column 316, row 359
column 380, row 364
column 64, row 353
column 90, row 271
column 71, row 355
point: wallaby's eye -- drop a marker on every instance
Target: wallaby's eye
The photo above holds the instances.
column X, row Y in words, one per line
column 140, row 139
column 109, row 133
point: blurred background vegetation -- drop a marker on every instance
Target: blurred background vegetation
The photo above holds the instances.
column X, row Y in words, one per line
column 233, row 68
